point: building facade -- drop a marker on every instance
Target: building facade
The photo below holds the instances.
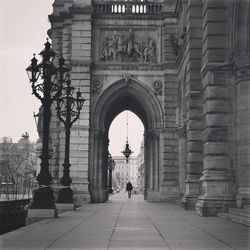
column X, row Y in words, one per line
column 183, row 68
column 125, row 172
column 141, row 168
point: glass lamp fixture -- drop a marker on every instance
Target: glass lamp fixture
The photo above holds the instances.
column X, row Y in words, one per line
column 127, row 151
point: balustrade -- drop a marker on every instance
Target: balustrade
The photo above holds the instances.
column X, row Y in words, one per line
column 132, row 7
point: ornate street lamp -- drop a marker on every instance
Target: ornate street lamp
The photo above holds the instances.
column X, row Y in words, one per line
column 127, row 151
column 46, row 81
column 68, row 111
column 111, row 167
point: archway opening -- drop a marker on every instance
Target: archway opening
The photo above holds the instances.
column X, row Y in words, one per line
column 125, row 94
column 126, row 125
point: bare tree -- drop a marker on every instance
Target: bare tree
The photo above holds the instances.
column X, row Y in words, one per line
column 17, row 167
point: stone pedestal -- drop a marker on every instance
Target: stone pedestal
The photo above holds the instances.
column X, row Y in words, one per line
column 242, row 196
column 80, row 198
column 99, row 195
column 211, row 206
column 217, row 193
column 43, row 213
column 63, row 207
column 153, row 196
column 193, row 190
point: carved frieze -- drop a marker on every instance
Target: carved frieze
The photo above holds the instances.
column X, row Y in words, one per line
column 127, row 46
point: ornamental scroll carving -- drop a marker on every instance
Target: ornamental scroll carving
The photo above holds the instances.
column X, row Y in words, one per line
column 125, row 46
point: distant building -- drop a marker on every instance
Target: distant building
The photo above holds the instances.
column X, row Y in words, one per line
column 125, row 172
column 141, row 168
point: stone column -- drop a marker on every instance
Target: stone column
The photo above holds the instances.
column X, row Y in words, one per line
column 182, row 134
column 168, row 141
column 216, row 180
column 217, row 189
column 153, row 165
column 98, row 168
column 80, row 52
column 194, row 124
column 57, row 34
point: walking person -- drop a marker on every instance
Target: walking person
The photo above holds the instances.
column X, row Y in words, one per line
column 129, row 188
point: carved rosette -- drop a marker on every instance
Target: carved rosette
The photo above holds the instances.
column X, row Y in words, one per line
column 97, row 86
column 157, row 85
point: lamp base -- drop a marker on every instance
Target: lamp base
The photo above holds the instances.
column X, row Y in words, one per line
column 65, row 195
column 43, row 198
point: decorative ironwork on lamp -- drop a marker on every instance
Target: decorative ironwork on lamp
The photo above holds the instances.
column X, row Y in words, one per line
column 127, row 151
column 47, row 83
column 68, row 111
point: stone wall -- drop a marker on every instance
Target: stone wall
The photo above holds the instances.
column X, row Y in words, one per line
column 240, row 77
column 189, row 106
column 191, row 55
column 216, row 182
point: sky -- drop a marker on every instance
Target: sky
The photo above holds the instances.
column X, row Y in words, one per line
column 23, row 31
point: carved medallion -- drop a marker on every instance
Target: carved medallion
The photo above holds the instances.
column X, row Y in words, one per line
column 157, row 85
column 97, row 86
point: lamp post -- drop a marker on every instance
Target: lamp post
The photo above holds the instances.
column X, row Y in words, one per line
column 68, row 111
column 46, row 81
column 111, row 167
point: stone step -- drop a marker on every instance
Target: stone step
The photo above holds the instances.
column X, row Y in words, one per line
column 246, row 207
column 241, row 212
column 223, row 216
column 240, row 219
column 235, row 218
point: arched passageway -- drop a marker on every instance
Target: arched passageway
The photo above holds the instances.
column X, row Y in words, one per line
column 125, row 94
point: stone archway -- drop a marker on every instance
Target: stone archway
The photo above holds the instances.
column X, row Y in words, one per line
column 125, row 94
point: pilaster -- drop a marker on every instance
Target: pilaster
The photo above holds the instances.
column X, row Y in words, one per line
column 216, row 178
column 169, row 171
column 194, row 124
column 152, row 144
column 80, row 56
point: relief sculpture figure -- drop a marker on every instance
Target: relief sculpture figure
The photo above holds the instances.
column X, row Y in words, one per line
column 120, row 46
column 149, row 51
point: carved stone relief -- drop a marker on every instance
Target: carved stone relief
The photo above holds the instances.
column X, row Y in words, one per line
column 157, row 85
column 97, row 86
column 126, row 46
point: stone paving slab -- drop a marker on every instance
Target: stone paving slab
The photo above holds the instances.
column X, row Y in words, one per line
column 129, row 224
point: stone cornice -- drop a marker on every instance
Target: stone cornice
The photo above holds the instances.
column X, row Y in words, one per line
column 134, row 16
column 72, row 10
column 81, row 10
column 53, row 18
column 130, row 66
column 237, row 67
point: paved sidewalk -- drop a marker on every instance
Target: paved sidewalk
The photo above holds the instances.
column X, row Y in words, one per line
column 129, row 224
